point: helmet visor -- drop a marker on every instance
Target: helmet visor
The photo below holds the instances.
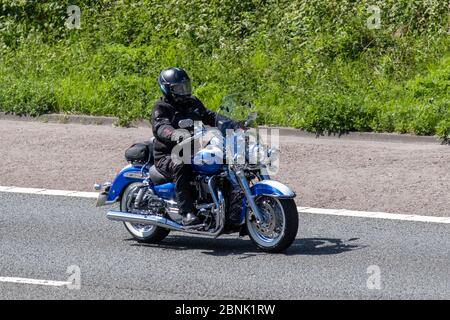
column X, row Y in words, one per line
column 182, row 89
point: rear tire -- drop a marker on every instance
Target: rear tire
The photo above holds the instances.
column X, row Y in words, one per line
column 142, row 233
column 279, row 234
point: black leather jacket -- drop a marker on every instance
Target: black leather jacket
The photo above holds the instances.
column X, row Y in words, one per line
column 165, row 117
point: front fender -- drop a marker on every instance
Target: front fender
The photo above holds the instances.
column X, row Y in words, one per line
column 126, row 176
column 272, row 188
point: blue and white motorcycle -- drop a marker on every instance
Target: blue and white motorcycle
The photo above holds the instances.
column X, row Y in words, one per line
column 148, row 206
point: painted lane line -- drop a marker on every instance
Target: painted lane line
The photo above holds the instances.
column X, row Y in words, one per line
column 35, row 281
column 23, row 190
column 56, row 192
column 338, row 212
column 374, row 215
column 429, row 219
column 49, row 192
column 354, row 213
column 318, row 210
column 393, row 216
column 93, row 195
column 309, row 210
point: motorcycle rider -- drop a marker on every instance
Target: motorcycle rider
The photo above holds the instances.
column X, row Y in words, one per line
column 177, row 103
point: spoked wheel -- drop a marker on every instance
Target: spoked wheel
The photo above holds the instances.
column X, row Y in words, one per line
column 141, row 232
column 280, row 226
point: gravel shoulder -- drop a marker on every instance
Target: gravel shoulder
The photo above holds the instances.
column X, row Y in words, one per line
column 411, row 177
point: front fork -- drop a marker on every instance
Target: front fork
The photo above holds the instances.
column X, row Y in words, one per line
column 242, row 180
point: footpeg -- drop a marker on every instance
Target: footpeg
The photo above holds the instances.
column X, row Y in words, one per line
column 190, row 220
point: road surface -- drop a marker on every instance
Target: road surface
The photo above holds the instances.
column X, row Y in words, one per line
column 332, row 258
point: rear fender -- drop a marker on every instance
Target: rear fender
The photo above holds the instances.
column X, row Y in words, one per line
column 127, row 175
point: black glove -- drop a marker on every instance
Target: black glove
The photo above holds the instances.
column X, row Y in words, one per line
column 179, row 135
column 240, row 125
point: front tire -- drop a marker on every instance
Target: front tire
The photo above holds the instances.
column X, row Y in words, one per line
column 142, row 233
column 281, row 225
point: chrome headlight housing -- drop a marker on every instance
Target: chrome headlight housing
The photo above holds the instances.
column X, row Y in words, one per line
column 258, row 154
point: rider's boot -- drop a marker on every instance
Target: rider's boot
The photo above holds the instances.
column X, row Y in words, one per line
column 190, row 219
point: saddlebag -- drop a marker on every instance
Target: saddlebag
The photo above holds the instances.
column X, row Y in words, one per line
column 141, row 152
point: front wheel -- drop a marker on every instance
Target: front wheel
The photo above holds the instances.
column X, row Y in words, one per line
column 142, row 232
column 280, row 226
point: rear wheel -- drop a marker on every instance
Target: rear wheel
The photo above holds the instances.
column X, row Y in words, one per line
column 280, row 227
column 142, row 232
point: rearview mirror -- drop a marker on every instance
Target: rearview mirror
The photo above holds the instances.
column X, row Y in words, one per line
column 252, row 116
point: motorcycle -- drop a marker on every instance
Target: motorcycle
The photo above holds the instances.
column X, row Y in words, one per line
column 148, row 208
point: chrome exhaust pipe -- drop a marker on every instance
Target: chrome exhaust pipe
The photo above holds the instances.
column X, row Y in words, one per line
column 158, row 221
column 137, row 218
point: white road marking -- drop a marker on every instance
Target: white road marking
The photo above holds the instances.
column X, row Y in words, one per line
column 24, row 190
column 35, row 281
column 49, row 192
column 374, row 215
column 333, row 212
column 56, row 192
column 93, row 195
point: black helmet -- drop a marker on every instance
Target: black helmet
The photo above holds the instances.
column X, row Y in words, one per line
column 175, row 83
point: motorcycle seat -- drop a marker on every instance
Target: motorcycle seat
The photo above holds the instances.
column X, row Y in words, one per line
column 156, row 177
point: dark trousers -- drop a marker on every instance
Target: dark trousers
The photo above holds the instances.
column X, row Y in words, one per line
column 182, row 175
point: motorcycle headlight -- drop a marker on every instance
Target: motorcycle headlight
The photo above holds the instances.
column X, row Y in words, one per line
column 262, row 154
column 272, row 154
column 257, row 154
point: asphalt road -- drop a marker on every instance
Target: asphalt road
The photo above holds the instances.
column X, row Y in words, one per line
column 41, row 236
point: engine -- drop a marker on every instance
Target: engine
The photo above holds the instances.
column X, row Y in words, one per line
column 201, row 187
column 149, row 202
column 145, row 200
column 156, row 205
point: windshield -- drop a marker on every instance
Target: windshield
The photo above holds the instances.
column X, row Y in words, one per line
column 235, row 107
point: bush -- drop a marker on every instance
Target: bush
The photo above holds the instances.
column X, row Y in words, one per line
column 311, row 64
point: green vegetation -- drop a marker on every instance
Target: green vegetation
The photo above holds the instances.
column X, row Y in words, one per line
column 311, row 64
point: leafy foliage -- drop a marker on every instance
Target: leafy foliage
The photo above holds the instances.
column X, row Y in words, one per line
column 312, row 64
